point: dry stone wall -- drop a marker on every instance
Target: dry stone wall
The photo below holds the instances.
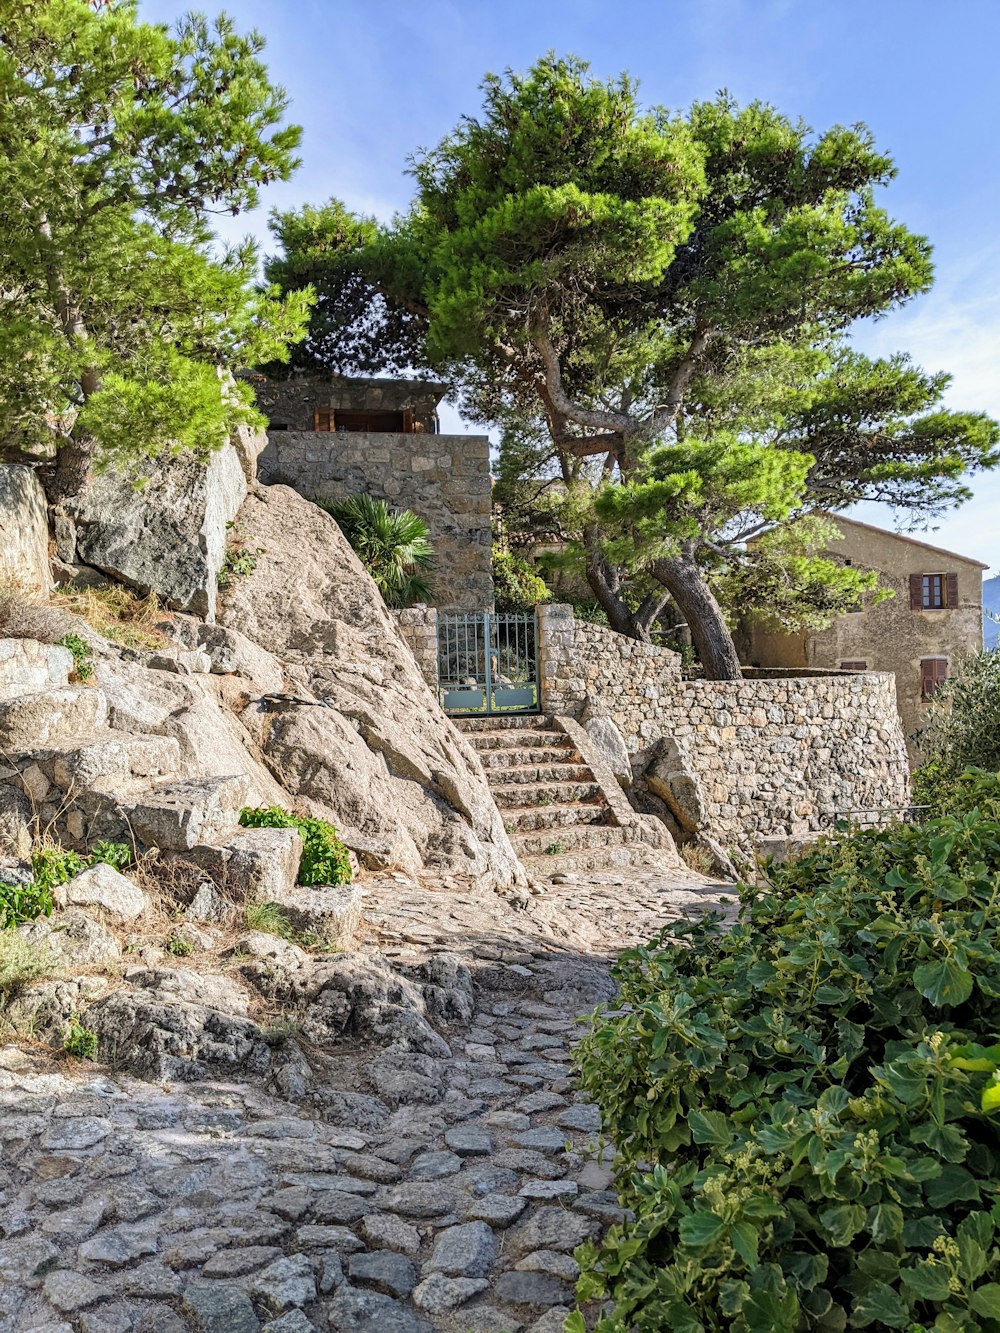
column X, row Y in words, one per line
column 774, row 758
column 443, row 478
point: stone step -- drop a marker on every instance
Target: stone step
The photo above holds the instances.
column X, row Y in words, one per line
column 513, row 739
column 528, row 818
column 498, row 721
column 550, row 793
column 110, row 761
column 51, row 717
column 493, row 760
column 571, row 838
column 30, row 667
column 177, row 816
column 539, row 774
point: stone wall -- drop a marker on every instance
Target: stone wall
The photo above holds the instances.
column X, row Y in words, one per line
column 443, row 478
column 418, row 629
column 580, row 662
column 773, row 758
column 291, row 403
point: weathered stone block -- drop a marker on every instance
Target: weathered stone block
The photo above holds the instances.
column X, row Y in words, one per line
column 24, row 529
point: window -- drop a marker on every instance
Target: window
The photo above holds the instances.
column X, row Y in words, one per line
column 933, row 674
column 933, row 592
column 854, row 666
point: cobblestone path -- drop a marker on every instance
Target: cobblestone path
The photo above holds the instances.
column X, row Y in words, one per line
column 453, row 1202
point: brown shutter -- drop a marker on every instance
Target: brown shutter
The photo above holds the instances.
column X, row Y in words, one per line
column 916, row 592
column 951, row 594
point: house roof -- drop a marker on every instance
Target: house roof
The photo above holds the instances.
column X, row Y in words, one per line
column 913, row 541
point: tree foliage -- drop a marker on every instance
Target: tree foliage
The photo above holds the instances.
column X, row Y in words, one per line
column 118, row 141
column 805, row 1105
column 962, row 727
column 655, row 307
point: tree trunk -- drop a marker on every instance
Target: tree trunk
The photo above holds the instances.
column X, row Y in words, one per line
column 72, row 467
column 603, row 580
column 686, row 584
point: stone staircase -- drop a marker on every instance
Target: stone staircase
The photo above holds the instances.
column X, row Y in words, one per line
column 560, row 813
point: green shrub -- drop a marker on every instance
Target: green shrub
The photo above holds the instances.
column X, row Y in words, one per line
column 178, row 946
column 80, row 649
column 51, row 866
column 516, row 583
column 797, row 1101
column 962, row 727
column 393, row 545
column 325, row 859
column 80, row 1041
column 23, row 902
column 56, row 865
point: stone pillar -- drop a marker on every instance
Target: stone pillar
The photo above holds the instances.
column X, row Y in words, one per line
column 418, row 626
column 563, row 689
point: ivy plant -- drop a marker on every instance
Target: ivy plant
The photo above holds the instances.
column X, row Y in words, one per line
column 325, row 859
column 805, row 1105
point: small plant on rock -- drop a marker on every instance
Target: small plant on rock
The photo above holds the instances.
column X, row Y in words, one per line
column 178, row 946
column 325, row 859
column 82, row 668
column 79, row 1041
column 272, row 919
column 240, row 559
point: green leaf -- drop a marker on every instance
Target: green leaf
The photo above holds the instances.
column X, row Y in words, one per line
column 710, row 1127
column 986, row 1300
column 843, row 1223
column 885, row 1222
column 743, row 1237
column 954, row 1183
column 990, row 1100
column 881, row 1306
column 943, row 982
column 701, row 1228
column 927, row 1281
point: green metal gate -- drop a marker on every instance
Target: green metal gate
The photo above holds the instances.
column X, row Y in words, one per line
column 488, row 662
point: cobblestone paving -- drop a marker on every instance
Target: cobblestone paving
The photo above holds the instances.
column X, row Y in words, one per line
column 454, row 1204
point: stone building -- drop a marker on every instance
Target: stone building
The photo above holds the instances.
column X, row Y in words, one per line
column 330, row 437
column 934, row 618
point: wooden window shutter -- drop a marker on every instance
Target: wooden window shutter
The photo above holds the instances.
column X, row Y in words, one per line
column 951, row 596
column 916, row 592
column 933, row 674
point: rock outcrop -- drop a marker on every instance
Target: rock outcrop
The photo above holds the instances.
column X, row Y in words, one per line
column 362, row 738
column 169, row 537
column 24, row 529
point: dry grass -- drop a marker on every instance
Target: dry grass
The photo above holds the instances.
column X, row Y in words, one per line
column 20, row 962
column 26, row 614
column 118, row 614
column 696, row 858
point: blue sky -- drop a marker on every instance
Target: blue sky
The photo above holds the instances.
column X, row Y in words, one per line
column 370, row 80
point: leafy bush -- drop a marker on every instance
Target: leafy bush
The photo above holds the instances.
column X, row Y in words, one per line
column 393, row 545
column 962, row 728
column 79, row 1041
column 23, row 902
column 51, row 866
column 516, row 584
column 797, row 1101
column 325, row 859
column 80, row 649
